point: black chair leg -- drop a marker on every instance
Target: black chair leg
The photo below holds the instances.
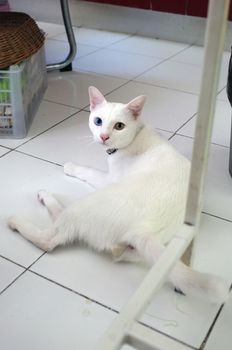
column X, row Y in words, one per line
column 68, row 68
column 230, row 161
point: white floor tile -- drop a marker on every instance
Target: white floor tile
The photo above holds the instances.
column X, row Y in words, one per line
column 115, row 63
column 99, row 38
column 3, row 150
column 165, row 109
column 72, row 88
column 57, row 51
column 213, row 242
column 195, row 55
column 221, row 336
column 178, row 76
column 218, row 189
column 48, row 115
column 36, row 314
column 51, row 29
column 73, row 136
column 149, row 47
column 88, row 273
column 222, row 95
column 222, row 125
column 75, row 144
column 41, row 314
column 8, row 272
column 165, row 134
column 21, row 178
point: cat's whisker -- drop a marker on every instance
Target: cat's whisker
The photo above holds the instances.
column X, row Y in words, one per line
column 91, row 142
column 85, row 137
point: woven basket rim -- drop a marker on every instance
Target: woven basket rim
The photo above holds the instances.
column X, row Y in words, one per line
column 20, row 38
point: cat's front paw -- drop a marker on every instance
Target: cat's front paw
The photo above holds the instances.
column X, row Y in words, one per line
column 75, row 171
column 69, row 169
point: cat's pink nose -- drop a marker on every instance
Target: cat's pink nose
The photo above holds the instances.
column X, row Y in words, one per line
column 104, row 137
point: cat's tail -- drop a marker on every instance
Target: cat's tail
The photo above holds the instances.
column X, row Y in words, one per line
column 184, row 278
column 192, row 282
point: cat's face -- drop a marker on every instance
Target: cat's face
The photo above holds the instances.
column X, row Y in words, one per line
column 114, row 125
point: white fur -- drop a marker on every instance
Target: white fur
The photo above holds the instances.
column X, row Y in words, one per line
column 142, row 202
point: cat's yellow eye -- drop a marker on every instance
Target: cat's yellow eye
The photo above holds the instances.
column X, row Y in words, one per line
column 119, row 126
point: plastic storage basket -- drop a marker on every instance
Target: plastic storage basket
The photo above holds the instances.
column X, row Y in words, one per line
column 21, row 89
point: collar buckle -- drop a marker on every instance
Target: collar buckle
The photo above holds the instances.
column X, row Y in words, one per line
column 111, row 151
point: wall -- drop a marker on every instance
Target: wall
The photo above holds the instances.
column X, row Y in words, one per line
column 182, row 28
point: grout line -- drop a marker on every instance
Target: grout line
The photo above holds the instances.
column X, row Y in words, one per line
column 213, row 324
column 161, row 129
column 176, row 132
column 76, row 108
column 119, row 40
column 39, row 158
column 22, row 273
column 167, row 335
column 98, row 47
column 221, row 90
column 65, row 41
column 76, row 58
column 42, row 132
column 212, row 143
column 217, row 217
column 4, row 154
column 155, row 40
column 164, row 87
column 6, row 147
column 44, row 253
column 168, row 88
column 62, row 104
column 73, row 291
column 192, row 138
column 164, row 60
column 104, row 305
column 12, row 261
column 12, row 282
column 116, row 76
column 211, row 328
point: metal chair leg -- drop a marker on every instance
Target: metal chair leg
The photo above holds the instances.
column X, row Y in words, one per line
column 66, row 65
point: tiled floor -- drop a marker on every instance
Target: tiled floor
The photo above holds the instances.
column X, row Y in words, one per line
column 68, row 298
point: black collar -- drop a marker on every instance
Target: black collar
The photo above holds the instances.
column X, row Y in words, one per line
column 111, row 150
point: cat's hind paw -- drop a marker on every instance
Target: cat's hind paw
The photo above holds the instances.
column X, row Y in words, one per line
column 13, row 222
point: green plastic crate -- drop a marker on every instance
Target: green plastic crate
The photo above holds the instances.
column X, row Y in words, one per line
column 21, row 90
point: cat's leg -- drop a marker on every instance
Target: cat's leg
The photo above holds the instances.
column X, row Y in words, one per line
column 123, row 252
column 44, row 239
column 96, row 178
column 51, row 203
column 184, row 278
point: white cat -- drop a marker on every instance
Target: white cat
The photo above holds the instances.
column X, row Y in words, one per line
column 142, row 203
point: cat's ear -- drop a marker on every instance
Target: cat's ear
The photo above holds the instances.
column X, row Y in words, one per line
column 136, row 105
column 95, row 98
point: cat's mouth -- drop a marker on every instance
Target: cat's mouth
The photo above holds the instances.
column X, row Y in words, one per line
column 104, row 143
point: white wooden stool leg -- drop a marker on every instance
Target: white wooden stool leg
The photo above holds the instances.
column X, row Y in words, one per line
column 122, row 329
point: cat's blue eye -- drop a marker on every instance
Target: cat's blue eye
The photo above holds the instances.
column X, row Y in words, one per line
column 97, row 121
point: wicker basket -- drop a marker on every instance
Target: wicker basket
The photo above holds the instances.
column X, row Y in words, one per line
column 20, row 38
